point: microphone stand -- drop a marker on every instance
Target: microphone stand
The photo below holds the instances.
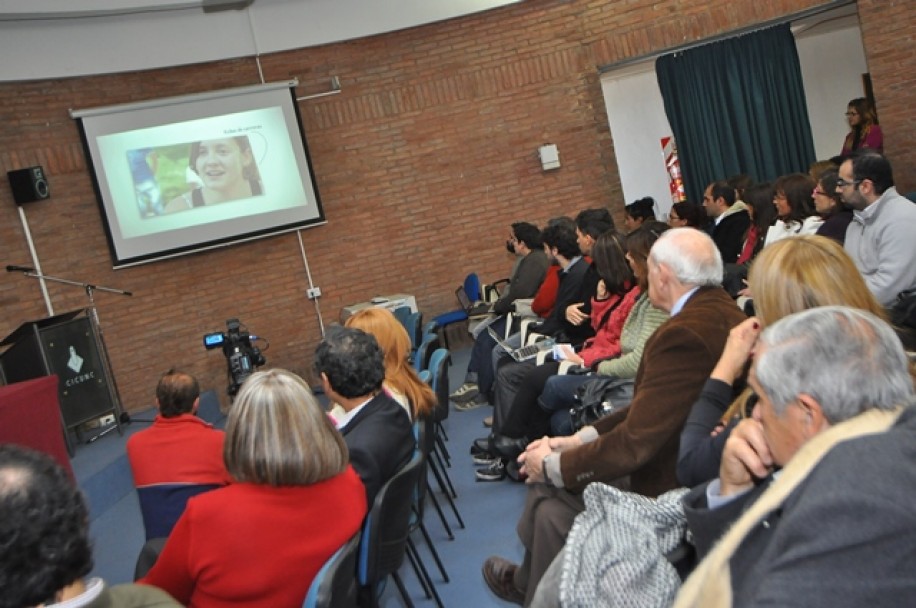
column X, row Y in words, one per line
column 120, row 415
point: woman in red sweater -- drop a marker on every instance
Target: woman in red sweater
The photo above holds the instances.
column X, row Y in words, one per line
column 293, row 502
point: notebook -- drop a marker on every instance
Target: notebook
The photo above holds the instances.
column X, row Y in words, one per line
column 473, row 310
column 523, row 353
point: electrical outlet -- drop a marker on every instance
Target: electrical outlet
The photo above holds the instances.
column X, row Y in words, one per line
column 106, row 420
column 314, row 292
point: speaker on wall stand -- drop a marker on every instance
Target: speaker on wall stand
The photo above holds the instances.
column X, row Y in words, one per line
column 29, row 185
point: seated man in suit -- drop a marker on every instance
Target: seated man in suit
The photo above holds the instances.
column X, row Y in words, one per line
column 813, row 501
column 639, row 443
column 376, row 428
column 179, row 456
column 44, row 533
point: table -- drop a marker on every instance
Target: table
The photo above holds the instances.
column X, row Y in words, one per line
column 388, row 302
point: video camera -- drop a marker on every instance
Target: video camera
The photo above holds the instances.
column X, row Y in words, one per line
column 241, row 356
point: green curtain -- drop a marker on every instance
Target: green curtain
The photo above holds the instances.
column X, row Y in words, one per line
column 737, row 106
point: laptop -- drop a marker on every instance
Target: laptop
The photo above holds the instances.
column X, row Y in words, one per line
column 473, row 310
column 523, row 353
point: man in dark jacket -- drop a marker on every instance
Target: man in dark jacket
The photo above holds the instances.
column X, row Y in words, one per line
column 375, row 427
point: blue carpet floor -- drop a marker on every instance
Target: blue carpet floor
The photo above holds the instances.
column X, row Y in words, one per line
column 489, row 510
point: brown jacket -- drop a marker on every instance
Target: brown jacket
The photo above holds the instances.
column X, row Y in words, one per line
column 642, row 441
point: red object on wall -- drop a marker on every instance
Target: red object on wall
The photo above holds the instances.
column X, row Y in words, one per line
column 673, row 166
column 30, row 416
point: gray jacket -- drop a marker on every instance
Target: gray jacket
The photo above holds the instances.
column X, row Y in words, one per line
column 881, row 239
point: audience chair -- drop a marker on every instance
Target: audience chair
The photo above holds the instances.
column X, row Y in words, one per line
column 439, row 363
column 438, row 457
column 490, row 292
column 149, row 553
column 428, row 345
column 162, row 504
column 423, row 433
column 412, row 322
column 385, row 534
column 469, row 297
column 335, row 584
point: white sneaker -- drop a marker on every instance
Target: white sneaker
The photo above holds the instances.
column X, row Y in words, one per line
column 466, row 392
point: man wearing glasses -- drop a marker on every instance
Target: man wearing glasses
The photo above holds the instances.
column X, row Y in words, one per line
column 882, row 236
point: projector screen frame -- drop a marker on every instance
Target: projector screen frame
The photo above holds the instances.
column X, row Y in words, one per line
column 283, row 205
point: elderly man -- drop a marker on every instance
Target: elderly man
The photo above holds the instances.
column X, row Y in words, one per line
column 376, row 428
column 834, row 526
column 46, row 555
column 880, row 239
column 641, row 442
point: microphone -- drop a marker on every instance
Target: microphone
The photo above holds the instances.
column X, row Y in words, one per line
column 19, row 269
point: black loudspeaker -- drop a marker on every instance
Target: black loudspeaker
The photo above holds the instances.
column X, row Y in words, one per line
column 29, row 185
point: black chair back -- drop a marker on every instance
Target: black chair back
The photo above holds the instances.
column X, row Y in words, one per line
column 386, row 529
column 335, row 584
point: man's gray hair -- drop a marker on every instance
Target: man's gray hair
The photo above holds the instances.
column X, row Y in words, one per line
column 691, row 255
column 847, row 359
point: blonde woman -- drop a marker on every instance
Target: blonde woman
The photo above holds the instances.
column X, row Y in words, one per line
column 401, row 380
column 788, row 276
column 293, row 502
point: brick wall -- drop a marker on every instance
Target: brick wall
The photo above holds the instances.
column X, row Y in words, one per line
column 422, row 162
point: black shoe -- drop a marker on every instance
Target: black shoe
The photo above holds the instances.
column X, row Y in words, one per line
column 481, row 445
column 513, row 472
column 494, row 472
column 509, row 448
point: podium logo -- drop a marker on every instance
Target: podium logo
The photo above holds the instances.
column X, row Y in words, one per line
column 75, row 362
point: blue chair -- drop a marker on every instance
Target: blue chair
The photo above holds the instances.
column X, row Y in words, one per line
column 162, row 504
column 335, row 584
column 439, row 457
column 425, row 350
column 469, row 297
column 386, row 532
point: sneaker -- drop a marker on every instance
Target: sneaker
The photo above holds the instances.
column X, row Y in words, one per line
column 473, row 404
column 466, row 392
column 485, row 459
column 494, row 472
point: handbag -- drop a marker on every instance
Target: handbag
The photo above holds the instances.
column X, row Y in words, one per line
column 598, row 398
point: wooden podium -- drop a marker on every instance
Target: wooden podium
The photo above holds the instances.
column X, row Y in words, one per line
column 69, row 346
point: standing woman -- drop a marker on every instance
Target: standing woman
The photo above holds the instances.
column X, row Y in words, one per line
column 794, row 210
column 864, row 131
column 293, row 502
column 401, row 380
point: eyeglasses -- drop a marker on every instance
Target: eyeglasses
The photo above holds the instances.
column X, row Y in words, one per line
column 852, row 113
column 842, row 183
column 818, row 191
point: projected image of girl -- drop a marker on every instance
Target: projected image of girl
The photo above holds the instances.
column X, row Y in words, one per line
column 227, row 172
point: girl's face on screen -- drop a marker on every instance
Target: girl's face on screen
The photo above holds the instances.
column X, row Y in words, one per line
column 221, row 163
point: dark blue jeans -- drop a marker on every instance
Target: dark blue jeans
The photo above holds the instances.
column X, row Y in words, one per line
column 481, row 356
column 557, row 397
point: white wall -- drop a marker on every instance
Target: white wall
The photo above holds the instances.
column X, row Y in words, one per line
column 637, row 118
column 63, row 46
column 832, row 61
column 832, row 65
